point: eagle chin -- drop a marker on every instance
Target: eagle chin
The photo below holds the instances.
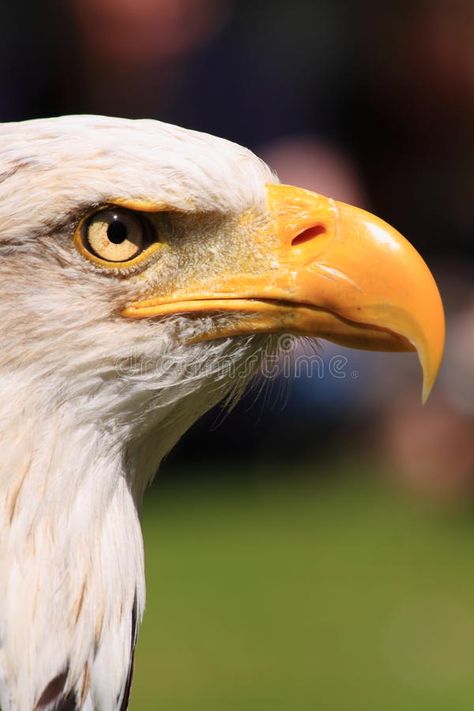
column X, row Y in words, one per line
column 146, row 271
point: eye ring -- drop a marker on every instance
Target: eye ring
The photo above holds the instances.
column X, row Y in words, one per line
column 117, row 237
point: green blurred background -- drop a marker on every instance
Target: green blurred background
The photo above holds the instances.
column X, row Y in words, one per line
column 313, row 548
column 304, row 596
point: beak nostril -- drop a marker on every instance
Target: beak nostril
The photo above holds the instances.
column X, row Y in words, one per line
column 307, row 235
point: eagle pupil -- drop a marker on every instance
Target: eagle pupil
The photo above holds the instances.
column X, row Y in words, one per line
column 117, row 232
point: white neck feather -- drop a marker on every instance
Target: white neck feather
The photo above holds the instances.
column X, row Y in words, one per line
column 72, row 558
column 72, row 477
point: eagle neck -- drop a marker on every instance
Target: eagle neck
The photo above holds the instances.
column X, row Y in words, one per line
column 71, row 558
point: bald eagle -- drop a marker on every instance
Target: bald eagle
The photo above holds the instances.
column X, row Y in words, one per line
column 136, row 258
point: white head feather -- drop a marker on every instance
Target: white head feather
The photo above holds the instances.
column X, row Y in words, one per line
column 92, row 401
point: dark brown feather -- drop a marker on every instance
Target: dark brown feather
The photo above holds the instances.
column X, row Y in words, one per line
column 133, row 641
column 51, row 695
column 52, row 690
column 67, row 703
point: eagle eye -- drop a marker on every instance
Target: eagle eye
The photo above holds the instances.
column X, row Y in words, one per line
column 115, row 234
column 119, row 237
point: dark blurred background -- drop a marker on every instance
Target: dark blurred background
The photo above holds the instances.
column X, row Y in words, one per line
column 371, row 103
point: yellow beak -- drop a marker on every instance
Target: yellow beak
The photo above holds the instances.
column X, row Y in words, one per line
column 336, row 272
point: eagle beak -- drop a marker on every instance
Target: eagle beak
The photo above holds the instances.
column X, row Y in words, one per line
column 335, row 272
column 371, row 287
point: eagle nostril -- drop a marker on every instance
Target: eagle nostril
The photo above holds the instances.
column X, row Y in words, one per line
column 307, row 235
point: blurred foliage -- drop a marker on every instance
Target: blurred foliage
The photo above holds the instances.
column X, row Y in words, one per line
column 283, row 594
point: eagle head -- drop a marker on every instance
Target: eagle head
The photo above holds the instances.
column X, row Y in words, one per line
column 145, row 273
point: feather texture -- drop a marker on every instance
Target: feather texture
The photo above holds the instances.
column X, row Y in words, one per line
column 91, row 402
